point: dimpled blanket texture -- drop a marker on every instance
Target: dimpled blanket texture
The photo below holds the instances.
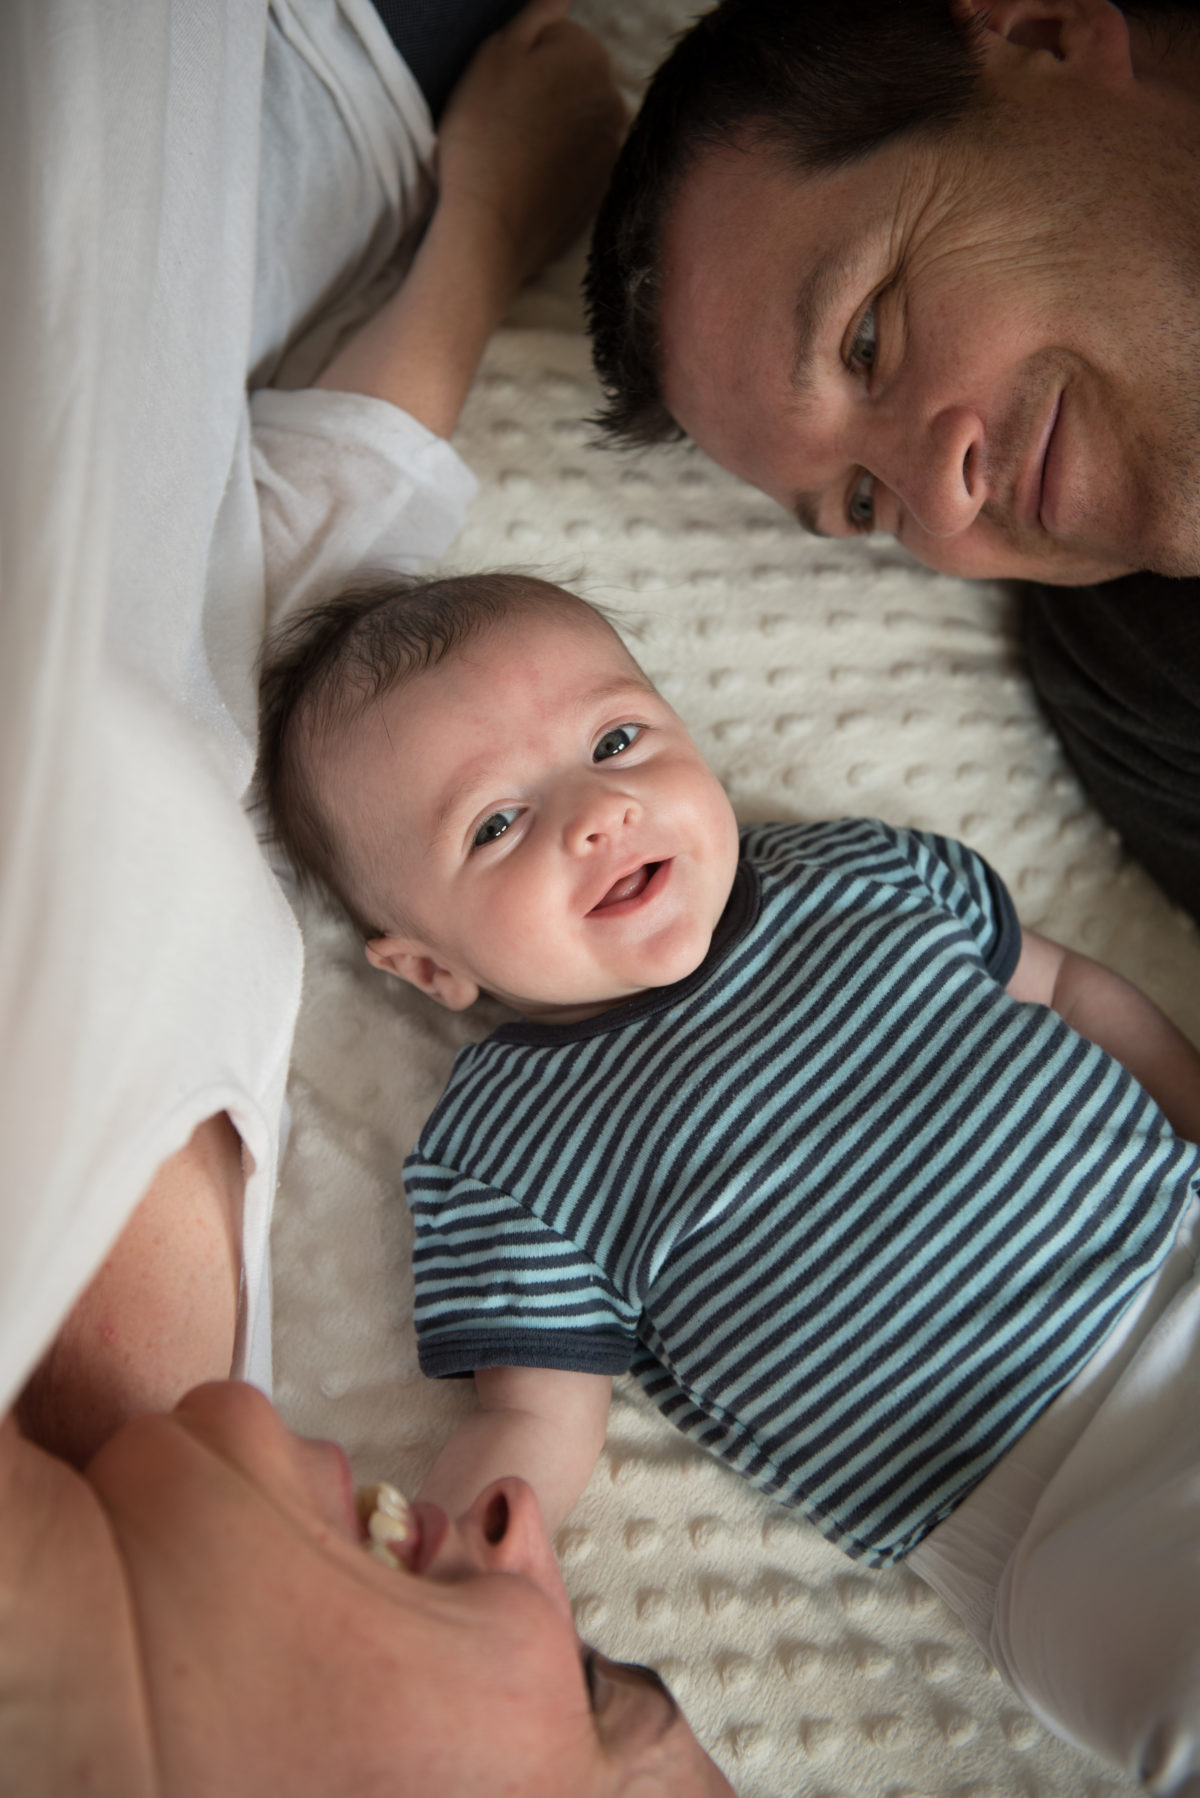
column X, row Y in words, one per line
column 820, row 679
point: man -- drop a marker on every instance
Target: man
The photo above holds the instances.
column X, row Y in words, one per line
column 934, row 269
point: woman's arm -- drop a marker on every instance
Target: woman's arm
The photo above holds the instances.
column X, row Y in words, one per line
column 160, row 1315
column 524, row 152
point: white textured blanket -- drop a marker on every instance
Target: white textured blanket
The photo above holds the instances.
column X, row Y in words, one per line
column 819, row 680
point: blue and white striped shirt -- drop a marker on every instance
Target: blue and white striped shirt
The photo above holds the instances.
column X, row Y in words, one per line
column 852, row 1214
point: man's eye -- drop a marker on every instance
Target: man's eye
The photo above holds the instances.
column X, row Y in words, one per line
column 614, row 741
column 861, row 509
column 589, row 1675
column 494, row 827
column 864, row 348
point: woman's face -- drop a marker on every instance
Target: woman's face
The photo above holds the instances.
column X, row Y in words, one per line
column 274, row 1648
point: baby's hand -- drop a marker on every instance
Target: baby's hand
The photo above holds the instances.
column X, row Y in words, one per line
column 530, row 135
column 544, row 1425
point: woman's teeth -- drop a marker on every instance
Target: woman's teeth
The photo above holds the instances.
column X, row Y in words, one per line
column 385, row 1514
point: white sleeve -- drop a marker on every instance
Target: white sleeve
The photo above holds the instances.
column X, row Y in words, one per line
column 149, row 966
column 345, row 481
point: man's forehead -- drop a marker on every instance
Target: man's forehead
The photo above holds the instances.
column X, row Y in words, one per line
column 759, row 259
column 750, row 200
column 747, row 279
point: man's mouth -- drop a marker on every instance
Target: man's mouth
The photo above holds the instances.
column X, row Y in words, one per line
column 1049, row 502
column 1034, row 505
column 630, row 886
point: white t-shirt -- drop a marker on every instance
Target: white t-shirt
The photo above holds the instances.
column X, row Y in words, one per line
column 193, row 195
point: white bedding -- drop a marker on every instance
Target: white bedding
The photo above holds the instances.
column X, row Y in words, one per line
column 820, row 680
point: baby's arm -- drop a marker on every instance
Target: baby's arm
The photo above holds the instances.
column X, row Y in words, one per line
column 524, row 153
column 1110, row 1011
column 544, row 1425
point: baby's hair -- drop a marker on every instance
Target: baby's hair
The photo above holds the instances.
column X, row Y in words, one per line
column 327, row 665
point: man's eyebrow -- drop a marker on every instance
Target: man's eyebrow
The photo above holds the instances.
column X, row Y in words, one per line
column 654, row 1682
column 804, row 511
column 817, row 292
column 822, row 285
column 650, row 1676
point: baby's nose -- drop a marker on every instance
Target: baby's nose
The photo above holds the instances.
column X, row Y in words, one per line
column 597, row 815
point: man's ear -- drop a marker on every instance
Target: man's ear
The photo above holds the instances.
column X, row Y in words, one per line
column 1091, row 35
column 412, row 961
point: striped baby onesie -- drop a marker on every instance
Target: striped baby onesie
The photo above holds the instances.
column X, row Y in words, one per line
column 851, row 1214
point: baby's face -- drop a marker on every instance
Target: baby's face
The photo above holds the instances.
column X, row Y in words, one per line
column 542, row 817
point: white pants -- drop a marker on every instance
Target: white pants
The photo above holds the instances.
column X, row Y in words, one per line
column 1076, row 1563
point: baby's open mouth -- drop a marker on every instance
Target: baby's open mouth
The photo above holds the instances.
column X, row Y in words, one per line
column 629, row 885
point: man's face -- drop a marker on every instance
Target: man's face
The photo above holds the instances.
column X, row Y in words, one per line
column 985, row 345
column 542, row 820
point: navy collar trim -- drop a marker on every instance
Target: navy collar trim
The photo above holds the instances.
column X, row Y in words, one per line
column 740, row 914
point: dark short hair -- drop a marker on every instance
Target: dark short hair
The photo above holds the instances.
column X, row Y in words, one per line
column 1168, row 19
column 821, row 83
column 327, row 665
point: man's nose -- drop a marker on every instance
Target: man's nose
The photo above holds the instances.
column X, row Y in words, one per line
column 505, row 1533
column 936, row 471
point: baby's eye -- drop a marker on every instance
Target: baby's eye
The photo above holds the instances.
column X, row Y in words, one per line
column 494, row 827
column 864, row 348
column 861, row 509
column 614, row 741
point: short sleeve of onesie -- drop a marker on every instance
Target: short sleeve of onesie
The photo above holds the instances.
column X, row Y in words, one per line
column 497, row 1287
column 897, row 871
column 968, row 888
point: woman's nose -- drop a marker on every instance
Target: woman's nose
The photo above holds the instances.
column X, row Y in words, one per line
column 504, row 1532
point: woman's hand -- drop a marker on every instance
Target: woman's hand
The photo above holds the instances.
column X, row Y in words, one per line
column 527, row 143
column 529, row 137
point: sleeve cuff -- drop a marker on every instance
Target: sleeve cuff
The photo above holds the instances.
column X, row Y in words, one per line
column 591, row 1351
column 1005, row 952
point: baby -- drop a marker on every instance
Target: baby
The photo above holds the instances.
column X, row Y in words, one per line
column 794, row 1121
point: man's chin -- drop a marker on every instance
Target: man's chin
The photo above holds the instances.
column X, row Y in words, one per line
column 1183, row 565
column 1087, row 575
column 1173, row 562
column 1028, row 556
column 1051, row 564
column 1168, row 535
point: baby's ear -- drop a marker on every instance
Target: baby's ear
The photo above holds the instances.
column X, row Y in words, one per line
column 412, row 961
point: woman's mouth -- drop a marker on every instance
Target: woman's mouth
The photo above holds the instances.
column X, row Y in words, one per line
column 396, row 1533
column 390, row 1532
